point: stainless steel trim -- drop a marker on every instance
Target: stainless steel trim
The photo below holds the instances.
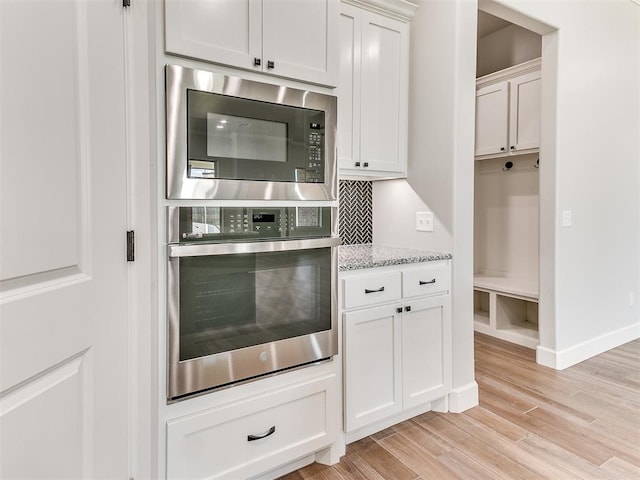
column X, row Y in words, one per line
column 179, row 186
column 220, row 370
column 202, row 249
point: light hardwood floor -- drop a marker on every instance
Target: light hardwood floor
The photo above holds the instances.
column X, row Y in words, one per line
column 532, row 422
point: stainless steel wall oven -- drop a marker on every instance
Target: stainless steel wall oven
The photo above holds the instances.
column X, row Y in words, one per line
column 229, row 138
column 250, row 293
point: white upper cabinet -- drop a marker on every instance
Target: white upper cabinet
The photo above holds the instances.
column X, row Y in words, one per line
column 492, row 119
column 288, row 38
column 524, row 108
column 373, row 91
column 508, row 111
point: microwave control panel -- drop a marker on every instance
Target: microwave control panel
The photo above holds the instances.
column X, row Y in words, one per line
column 315, row 161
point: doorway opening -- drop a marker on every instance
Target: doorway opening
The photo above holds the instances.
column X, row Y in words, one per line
column 512, row 258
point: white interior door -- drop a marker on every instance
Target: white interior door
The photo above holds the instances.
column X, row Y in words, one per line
column 63, row 271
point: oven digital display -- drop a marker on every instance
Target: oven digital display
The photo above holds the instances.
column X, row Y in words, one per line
column 264, row 217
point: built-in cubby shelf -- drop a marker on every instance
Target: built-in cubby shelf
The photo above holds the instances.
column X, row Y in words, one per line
column 506, row 308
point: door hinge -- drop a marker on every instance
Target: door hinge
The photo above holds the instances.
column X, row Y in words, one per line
column 126, row 3
column 131, row 246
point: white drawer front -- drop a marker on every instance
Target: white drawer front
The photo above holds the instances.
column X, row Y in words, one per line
column 214, row 444
column 372, row 289
column 430, row 280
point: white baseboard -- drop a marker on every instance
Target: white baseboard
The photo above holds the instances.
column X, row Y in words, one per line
column 561, row 359
column 463, row 398
column 380, row 425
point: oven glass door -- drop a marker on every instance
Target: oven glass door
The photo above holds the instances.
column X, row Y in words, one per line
column 228, row 302
column 239, row 315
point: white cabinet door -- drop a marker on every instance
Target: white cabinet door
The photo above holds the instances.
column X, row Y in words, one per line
column 372, row 365
column 492, row 119
column 289, row 38
column 372, row 94
column 349, row 87
column 300, row 38
column 64, row 350
column 384, row 94
column 222, row 31
column 425, row 351
column 524, row 122
column 508, row 111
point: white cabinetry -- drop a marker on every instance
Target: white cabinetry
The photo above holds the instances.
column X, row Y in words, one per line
column 373, row 88
column 287, row 38
column 373, row 365
column 397, row 344
column 507, row 309
column 254, row 434
column 508, row 111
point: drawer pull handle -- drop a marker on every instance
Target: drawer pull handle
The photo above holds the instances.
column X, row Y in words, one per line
column 421, row 282
column 271, row 431
column 381, row 289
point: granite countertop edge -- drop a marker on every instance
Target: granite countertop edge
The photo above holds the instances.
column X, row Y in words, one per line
column 361, row 256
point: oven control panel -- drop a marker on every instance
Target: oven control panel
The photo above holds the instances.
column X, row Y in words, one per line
column 269, row 222
column 222, row 224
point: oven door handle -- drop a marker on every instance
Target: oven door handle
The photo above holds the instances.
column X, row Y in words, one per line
column 204, row 249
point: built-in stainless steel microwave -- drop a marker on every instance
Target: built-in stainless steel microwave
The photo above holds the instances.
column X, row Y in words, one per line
column 229, row 138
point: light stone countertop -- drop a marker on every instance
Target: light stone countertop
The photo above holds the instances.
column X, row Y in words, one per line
column 356, row 257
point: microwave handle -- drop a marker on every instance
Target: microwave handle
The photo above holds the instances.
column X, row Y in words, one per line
column 203, row 249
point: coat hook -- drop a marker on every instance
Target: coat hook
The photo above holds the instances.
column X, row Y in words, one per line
column 507, row 166
column 537, row 164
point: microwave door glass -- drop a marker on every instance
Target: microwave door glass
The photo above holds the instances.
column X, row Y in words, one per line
column 234, row 137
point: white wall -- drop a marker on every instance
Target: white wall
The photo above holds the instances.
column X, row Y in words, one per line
column 506, row 47
column 590, row 162
column 440, row 166
column 595, row 157
column 506, row 205
column 394, row 220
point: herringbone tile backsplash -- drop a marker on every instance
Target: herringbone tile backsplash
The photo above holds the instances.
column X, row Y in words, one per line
column 356, row 212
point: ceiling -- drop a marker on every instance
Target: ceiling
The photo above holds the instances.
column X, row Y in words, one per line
column 488, row 24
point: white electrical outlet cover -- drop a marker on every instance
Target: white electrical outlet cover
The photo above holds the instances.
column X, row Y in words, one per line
column 424, row 221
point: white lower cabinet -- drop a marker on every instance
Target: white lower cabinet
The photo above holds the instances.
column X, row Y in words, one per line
column 373, row 364
column 425, row 366
column 396, row 352
column 246, row 438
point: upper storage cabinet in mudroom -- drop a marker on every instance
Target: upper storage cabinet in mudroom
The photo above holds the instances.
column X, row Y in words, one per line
column 373, row 88
column 508, row 111
column 288, row 38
